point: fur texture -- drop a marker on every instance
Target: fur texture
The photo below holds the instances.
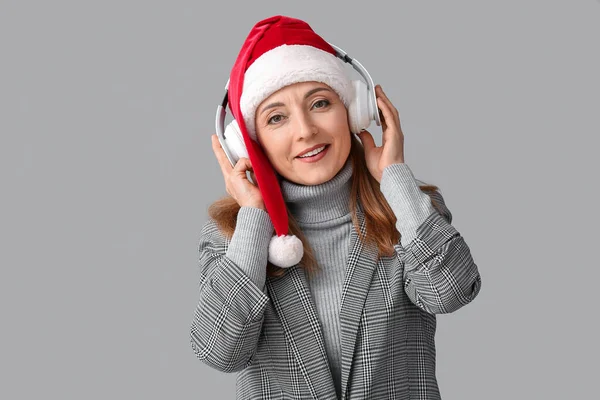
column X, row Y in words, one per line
column 285, row 251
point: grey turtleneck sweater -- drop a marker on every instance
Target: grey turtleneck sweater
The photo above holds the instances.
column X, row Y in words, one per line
column 323, row 214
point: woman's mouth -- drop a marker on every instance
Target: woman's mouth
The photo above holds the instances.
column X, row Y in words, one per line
column 315, row 157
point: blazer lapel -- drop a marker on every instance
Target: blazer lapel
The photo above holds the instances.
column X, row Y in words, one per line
column 293, row 303
column 362, row 261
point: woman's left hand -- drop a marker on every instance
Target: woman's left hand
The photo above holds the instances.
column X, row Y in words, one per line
column 392, row 144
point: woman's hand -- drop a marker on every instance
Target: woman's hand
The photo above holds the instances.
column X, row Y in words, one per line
column 392, row 144
column 236, row 181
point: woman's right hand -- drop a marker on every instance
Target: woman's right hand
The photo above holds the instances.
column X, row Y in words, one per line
column 236, row 182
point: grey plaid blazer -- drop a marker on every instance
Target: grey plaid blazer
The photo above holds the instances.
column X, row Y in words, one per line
column 272, row 336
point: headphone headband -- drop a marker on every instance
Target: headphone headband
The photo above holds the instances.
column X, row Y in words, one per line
column 362, row 71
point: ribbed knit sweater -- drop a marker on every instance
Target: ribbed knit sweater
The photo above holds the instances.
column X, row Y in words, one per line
column 322, row 212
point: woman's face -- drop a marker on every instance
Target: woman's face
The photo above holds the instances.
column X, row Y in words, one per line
column 301, row 117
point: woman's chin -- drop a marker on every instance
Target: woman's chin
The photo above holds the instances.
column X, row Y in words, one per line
column 315, row 176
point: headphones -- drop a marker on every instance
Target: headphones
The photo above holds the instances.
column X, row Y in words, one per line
column 361, row 111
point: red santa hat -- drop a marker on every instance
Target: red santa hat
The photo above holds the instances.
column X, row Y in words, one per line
column 278, row 52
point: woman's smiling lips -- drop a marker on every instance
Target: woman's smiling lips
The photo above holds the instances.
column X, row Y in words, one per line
column 311, row 149
column 316, row 157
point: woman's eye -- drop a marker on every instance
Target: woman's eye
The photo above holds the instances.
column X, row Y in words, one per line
column 275, row 119
column 321, row 103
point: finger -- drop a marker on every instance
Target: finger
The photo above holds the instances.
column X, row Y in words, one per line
column 393, row 109
column 367, row 140
column 387, row 115
column 242, row 165
column 253, row 177
column 381, row 117
column 221, row 156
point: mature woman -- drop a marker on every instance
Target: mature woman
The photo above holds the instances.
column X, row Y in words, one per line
column 340, row 302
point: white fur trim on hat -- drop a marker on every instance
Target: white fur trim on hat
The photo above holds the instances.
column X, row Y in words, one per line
column 285, row 251
column 288, row 64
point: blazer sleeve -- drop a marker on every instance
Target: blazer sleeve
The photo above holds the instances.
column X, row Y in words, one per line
column 229, row 315
column 440, row 275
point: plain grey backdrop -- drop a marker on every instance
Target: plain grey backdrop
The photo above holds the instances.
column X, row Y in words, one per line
column 106, row 112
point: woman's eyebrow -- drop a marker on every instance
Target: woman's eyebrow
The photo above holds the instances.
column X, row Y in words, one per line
column 315, row 90
column 272, row 105
column 308, row 94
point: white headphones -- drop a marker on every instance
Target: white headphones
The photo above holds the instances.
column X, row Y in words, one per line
column 362, row 110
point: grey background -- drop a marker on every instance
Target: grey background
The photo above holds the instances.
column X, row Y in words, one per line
column 107, row 108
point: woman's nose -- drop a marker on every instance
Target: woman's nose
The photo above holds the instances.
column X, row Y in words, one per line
column 305, row 126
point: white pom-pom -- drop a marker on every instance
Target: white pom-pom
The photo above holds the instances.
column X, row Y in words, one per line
column 285, row 250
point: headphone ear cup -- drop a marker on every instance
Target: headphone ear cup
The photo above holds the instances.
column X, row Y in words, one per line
column 359, row 114
column 235, row 142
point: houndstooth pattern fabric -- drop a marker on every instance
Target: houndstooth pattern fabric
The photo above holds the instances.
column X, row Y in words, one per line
column 272, row 337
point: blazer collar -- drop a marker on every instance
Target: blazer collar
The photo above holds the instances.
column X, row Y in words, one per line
column 293, row 303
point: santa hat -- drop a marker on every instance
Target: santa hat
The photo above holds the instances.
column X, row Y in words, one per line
column 278, row 52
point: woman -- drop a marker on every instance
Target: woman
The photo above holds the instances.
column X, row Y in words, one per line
column 350, row 314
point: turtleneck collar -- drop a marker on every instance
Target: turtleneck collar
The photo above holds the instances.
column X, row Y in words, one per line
column 312, row 204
